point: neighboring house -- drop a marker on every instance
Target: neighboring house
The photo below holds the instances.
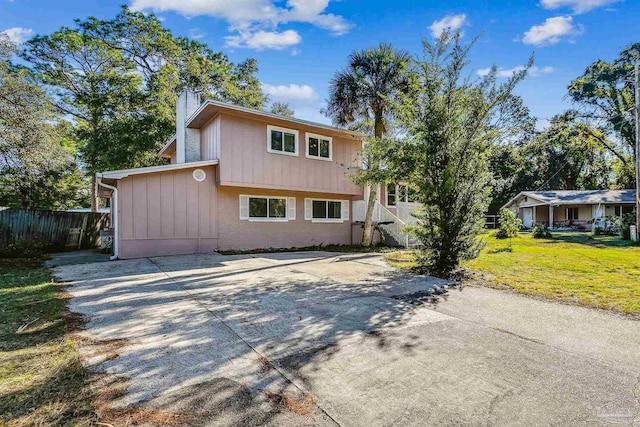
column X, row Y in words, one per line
column 580, row 209
column 238, row 179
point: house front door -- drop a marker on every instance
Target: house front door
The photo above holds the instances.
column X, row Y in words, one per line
column 527, row 217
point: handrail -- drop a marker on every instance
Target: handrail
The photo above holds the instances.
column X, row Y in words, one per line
column 396, row 226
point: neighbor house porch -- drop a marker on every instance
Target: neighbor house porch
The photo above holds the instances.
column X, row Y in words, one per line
column 571, row 216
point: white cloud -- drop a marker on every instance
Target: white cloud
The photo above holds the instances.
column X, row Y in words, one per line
column 261, row 40
column 196, row 33
column 552, row 31
column 18, row 35
column 509, row 72
column 255, row 19
column 293, row 94
column 578, row 6
column 449, row 22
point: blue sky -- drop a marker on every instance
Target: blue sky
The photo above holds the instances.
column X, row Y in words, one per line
column 299, row 44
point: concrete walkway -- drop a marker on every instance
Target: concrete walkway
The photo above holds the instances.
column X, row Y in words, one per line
column 317, row 338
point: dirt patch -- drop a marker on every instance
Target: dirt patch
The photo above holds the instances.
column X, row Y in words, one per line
column 303, row 405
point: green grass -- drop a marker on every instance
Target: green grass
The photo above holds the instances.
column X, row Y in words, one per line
column 42, row 381
column 599, row 271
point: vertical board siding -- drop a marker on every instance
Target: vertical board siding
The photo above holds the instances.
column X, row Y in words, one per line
column 209, row 140
column 167, row 205
column 50, row 227
column 244, row 160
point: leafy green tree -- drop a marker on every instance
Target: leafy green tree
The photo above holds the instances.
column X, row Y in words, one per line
column 38, row 168
column 606, row 95
column 512, row 171
column 366, row 92
column 451, row 129
column 95, row 85
column 509, row 225
column 119, row 80
column 570, row 155
column 282, row 108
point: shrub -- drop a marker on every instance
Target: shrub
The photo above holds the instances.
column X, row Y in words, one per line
column 509, row 224
column 627, row 221
column 500, row 234
column 540, row 232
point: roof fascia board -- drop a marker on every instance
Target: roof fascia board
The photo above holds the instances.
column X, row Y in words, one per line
column 268, row 115
column 123, row 173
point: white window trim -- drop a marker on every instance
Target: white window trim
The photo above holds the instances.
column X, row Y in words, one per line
column 287, row 130
column 290, row 208
column 386, row 194
column 318, row 157
column 400, row 198
column 309, row 215
column 577, row 213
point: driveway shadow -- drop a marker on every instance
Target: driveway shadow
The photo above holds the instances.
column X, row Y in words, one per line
column 228, row 336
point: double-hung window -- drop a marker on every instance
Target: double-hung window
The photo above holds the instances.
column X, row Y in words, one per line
column 320, row 210
column 319, row 147
column 282, row 140
column 267, row 208
column 391, row 194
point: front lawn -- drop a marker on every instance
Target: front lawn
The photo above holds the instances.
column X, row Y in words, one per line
column 598, row 271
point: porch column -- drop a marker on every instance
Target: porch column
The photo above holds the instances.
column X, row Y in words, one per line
column 550, row 217
column 533, row 219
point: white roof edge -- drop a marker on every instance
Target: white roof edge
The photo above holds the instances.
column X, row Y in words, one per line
column 269, row 115
column 123, row 173
column 166, row 145
column 523, row 193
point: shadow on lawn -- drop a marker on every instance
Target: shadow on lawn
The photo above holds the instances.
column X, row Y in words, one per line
column 206, row 338
column 589, row 240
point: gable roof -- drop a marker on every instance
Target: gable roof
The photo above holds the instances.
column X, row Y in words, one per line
column 578, row 197
column 209, row 108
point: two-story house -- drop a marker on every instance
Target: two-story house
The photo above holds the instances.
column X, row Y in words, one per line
column 238, row 178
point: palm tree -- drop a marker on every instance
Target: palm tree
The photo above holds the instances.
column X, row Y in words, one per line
column 365, row 92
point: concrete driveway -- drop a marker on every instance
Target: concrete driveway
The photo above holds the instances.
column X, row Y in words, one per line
column 315, row 338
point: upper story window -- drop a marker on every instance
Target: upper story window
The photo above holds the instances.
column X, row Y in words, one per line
column 282, row 140
column 319, row 147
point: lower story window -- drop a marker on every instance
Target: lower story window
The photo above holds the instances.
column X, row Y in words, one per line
column 391, row 194
column 626, row 210
column 267, row 208
column 326, row 210
column 572, row 213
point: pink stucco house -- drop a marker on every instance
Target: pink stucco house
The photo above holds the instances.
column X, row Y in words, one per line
column 238, row 179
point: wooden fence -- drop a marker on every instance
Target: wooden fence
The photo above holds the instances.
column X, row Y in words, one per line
column 491, row 221
column 58, row 230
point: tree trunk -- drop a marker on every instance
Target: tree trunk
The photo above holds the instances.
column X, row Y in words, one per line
column 367, row 236
column 94, row 196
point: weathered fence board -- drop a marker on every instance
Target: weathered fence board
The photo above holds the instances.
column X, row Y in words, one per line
column 57, row 229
